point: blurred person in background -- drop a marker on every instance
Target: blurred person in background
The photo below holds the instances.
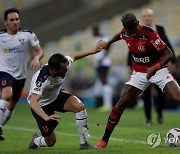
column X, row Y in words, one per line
column 14, row 46
column 102, row 65
column 147, row 20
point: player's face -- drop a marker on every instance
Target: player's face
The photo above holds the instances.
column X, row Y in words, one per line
column 133, row 31
column 147, row 18
column 12, row 23
column 62, row 70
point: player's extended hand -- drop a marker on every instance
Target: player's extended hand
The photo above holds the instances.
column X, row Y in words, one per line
column 35, row 63
column 53, row 117
column 99, row 46
column 106, row 45
column 150, row 72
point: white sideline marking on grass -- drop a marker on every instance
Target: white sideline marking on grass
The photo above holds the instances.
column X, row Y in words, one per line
column 74, row 135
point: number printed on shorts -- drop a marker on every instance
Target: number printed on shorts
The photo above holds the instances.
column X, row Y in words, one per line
column 45, row 128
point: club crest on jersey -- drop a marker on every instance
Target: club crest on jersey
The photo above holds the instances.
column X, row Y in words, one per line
column 141, row 48
column 22, row 41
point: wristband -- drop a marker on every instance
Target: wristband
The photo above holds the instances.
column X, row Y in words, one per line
column 158, row 66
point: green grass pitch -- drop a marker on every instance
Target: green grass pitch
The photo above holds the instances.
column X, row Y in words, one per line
column 129, row 136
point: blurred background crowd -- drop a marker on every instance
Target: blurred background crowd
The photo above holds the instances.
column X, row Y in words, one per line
column 65, row 26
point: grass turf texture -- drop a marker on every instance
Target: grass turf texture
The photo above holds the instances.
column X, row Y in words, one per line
column 129, row 136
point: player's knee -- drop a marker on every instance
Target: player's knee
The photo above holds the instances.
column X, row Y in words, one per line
column 80, row 108
column 7, row 97
column 50, row 142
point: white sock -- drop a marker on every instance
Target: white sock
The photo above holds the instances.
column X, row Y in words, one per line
column 8, row 114
column 107, row 95
column 3, row 107
column 82, row 126
column 40, row 141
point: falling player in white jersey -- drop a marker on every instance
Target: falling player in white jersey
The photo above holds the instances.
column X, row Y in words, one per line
column 46, row 97
column 14, row 48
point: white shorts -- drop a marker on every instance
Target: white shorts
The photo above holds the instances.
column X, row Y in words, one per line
column 161, row 78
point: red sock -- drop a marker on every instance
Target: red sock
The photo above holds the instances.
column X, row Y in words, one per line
column 113, row 120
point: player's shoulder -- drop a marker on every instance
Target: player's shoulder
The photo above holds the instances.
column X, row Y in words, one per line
column 147, row 29
column 124, row 33
column 3, row 31
column 23, row 30
column 42, row 74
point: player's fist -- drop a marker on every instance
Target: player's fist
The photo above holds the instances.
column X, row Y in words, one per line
column 99, row 46
column 151, row 71
column 35, row 63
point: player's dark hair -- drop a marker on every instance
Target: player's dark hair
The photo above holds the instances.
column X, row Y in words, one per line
column 55, row 60
column 129, row 20
column 11, row 10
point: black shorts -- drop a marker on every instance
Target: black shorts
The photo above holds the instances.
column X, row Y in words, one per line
column 7, row 80
column 102, row 70
column 47, row 127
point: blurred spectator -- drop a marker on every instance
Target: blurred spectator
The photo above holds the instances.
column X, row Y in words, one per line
column 102, row 64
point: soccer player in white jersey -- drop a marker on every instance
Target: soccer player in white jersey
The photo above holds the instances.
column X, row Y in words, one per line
column 46, row 97
column 102, row 63
column 14, row 48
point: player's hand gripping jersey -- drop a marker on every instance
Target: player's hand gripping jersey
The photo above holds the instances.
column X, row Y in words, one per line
column 146, row 48
column 45, row 85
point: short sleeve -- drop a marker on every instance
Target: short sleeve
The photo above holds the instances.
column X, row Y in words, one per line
column 157, row 43
column 33, row 39
column 37, row 85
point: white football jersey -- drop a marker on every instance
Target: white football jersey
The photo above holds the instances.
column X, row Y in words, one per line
column 14, row 50
column 45, row 85
column 101, row 58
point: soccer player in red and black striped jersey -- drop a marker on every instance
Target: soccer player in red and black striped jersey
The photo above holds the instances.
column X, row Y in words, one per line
column 150, row 57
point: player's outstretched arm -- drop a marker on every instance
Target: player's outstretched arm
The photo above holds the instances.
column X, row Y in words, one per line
column 79, row 55
column 35, row 64
column 115, row 38
column 38, row 110
column 167, row 56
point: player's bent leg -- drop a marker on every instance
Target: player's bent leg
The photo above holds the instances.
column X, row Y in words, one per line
column 173, row 90
column 4, row 101
column 73, row 104
column 128, row 94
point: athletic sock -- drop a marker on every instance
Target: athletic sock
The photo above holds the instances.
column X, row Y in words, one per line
column 82, row 126
column 40, row 141
column 113, row 120
column 8, row 114
column 107, row 93
column 3, row 108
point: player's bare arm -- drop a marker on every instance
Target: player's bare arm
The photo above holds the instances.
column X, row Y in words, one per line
column 97, row 49
column 167, row 56
column 38, row 110
column 115, row 38
column 35, row 64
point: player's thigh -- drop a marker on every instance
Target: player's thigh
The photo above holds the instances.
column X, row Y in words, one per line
column 74, row 104
column 128, row 94
column 6, row 84
column 173, row 90
column 17, row 90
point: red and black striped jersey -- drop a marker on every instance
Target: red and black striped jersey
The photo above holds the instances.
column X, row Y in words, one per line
column 146, row 49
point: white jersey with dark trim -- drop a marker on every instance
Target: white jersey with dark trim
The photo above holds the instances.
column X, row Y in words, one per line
column 14, row 50
column 45, row 85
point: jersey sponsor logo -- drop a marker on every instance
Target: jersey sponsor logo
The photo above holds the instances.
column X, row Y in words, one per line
column 142, row 48
column 143, row 60
column 5, row 50
column 3, row 83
